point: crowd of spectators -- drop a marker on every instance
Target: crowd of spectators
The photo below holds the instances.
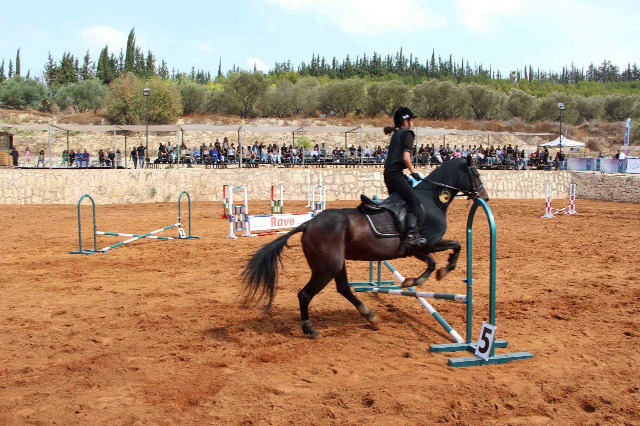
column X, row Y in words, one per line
column 224, row 152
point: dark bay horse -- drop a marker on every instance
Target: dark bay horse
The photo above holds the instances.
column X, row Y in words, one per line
column 339, row 234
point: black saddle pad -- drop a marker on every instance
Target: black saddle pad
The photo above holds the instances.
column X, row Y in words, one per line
column 383, row 224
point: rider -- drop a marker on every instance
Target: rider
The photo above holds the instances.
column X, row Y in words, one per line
column 398, row 159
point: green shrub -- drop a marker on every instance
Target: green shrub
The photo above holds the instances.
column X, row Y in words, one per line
column 440, row 100
column 341, row 96
column 546, row 109
column 520, row 104
column 386, row 97
column 619, row 107
column 194, row 97
column 23, row 93
column 87, row 95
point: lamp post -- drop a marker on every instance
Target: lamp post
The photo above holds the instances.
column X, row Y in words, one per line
column 146, row 92
column 562, row 108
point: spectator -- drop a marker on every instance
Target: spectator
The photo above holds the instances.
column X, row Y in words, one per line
column 141, row 155
column 40, row 158
column 72, row 158
column 85, row 157
column 118, row 159
column 27, row 157
column 134, row 157
column 559, row 160
column 14, row 156
column 65, row 158
column 101, row 158
column 231, row 153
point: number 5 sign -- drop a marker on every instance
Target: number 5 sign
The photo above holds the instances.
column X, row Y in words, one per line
column 485, row 343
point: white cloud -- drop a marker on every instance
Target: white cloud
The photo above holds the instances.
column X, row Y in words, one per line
column 103, row 35
column 205, row 47
column 370, row 17
column 484, row 16
column 258, row 63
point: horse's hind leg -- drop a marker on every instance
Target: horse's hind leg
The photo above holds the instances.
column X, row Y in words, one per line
column 317, row 282
column 342, row 285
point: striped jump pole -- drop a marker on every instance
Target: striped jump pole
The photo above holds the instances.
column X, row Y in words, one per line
column 147, row 235
column 548, row 213
column 318, row 204
column 238, row 213
column 572, row 199
column 119, row 234
column 425, row 304
column 427, row 295
column 225, row 202
column 277, row 205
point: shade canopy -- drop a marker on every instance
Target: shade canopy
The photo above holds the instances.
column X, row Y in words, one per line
column 565, row 143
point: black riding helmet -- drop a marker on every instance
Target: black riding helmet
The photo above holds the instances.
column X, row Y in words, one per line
column 401, row 114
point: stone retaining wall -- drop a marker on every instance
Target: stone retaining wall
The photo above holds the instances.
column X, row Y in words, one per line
column 141, row 186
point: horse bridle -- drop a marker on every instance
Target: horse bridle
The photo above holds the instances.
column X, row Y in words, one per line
column 471, row 195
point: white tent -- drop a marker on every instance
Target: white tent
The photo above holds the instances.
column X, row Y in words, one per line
column 565, row 143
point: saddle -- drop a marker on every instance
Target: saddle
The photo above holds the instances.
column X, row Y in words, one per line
column 387, row 217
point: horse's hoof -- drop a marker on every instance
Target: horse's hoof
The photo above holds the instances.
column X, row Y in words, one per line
column 309, row 331
column 441, row 273
column 409, row 282
column 373, row 318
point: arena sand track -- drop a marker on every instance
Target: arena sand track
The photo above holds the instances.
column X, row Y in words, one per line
column 152, row 333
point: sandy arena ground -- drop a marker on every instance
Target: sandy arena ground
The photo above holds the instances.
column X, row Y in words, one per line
column 152, row 333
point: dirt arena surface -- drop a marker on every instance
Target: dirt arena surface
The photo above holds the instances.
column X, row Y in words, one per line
column 152, row 332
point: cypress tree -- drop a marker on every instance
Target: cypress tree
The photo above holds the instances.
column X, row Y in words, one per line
column 2, row 76
column 220, row 67
column 130, row 58
column 10, row 68
column 18, row 63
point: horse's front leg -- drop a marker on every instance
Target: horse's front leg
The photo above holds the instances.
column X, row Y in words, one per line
column 443, row 245
column 422, row 254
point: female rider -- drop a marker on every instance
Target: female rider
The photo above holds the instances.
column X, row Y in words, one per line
column 398, row 159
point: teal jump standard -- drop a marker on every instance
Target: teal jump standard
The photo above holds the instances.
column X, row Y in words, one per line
column 134, row 237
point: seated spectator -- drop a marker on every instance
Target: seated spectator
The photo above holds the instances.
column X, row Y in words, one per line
column 112, row 158
column 72, row 158
column 40, row 158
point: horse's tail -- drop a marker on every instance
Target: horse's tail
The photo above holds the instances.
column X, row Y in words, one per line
column 260, row 274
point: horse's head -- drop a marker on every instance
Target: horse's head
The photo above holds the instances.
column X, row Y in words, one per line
column 476, row 187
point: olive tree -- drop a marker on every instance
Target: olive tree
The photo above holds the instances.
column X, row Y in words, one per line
column 546, row 109
column 520, row 104
column 194, row 97
column 86, row 95
column 242, row 91
column 439, row 100
column 342, row 96
column 619, row 107
column 485, row 104
column 386, row 97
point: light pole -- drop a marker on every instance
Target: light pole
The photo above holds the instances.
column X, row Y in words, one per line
column 562, row 108
column 146, row 92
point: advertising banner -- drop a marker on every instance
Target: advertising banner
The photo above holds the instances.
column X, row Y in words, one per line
column 277, row 221
column 633, row 165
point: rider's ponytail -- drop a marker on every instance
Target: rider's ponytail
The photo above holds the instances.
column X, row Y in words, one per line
column 389, row 129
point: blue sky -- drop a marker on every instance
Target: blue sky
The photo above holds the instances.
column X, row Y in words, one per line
column 506, row 33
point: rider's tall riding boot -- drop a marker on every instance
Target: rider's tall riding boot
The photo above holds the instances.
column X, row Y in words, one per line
column 412, row 237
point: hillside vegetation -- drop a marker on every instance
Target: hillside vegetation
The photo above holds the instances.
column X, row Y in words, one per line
column 365, row 88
